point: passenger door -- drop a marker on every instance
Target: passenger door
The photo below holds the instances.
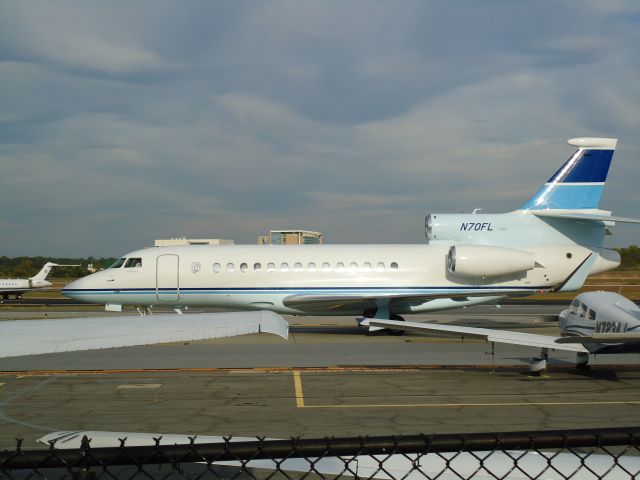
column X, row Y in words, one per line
column 167, row 286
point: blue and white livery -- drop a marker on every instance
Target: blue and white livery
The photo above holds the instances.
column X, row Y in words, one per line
column 551, row 244
column 579, row 183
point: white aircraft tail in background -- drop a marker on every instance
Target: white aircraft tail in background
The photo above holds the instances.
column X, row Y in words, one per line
column 18, row 286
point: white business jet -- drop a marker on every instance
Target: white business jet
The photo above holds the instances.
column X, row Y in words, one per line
column 550, row 244
column 18, row 286
column 596, row 322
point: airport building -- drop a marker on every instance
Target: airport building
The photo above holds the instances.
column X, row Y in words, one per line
column 173, row 242
column 290, row 237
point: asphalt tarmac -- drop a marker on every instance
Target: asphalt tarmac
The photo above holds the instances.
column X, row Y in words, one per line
column 329, row 378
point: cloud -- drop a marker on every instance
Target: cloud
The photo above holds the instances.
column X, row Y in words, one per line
column 70, row 36
column 126, row 122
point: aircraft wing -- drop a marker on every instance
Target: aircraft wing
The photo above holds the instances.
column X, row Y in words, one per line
column 369, row 301
column 583, row 216
column 487, row 334
column 34, row 337
column 632, row 337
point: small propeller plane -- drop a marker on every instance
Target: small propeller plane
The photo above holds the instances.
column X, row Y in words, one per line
column 595, row 322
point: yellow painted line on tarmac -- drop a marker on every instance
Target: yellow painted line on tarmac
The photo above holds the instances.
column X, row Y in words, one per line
column 457, row 405
column 297, row 384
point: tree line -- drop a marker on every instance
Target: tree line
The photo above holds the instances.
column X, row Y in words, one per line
column 630, row 257
column 25, row 267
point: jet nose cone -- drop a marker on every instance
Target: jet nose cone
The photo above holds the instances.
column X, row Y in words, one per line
column 69, row 289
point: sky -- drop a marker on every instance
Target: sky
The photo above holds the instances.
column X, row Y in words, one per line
column 122, row 122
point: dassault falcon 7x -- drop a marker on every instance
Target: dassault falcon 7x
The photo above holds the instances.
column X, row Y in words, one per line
column 550, row 244
column 18, row 286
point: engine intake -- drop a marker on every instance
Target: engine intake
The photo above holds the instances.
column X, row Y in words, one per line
column 487, row 261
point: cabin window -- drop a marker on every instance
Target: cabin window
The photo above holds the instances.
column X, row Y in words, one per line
column 243, row 267
column 297, row 267
column 231, row 267
column 380, row 267
column 340, row 267
column 257, row 267
column 353, row 266
column 393, row 266
column 118, row 263
column 284, row 267
column 271, row 267
column 326, row 267
column 366, row 267
column 311, row 267
column 592, row 315
column 216, row 268
column 133, row 263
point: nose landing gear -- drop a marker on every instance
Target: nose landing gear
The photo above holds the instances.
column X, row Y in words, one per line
column 582, row 361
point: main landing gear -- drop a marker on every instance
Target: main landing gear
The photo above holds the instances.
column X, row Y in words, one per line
column 392, row 331
column 538, row 365
column 382, row 316
column 144, row 310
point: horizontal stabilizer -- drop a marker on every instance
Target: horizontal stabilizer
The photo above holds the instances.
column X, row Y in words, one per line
column 487, row 334
column 583, row 216
column 34, row 337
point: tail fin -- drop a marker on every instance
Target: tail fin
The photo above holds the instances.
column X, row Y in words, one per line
column 42, row 274
column 579, row 183
column 46, row 269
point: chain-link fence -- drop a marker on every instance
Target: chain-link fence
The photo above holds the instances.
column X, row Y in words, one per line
column 569, row 454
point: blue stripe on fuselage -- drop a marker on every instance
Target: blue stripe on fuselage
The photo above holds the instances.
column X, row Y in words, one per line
column 296, row 290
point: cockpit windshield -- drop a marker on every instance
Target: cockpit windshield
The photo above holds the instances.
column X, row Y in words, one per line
column 574, row 306
column 133, row 263
column 582, row 310
column 118, row 263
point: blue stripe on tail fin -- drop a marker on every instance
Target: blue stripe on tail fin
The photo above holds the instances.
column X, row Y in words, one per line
column 579, row 183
